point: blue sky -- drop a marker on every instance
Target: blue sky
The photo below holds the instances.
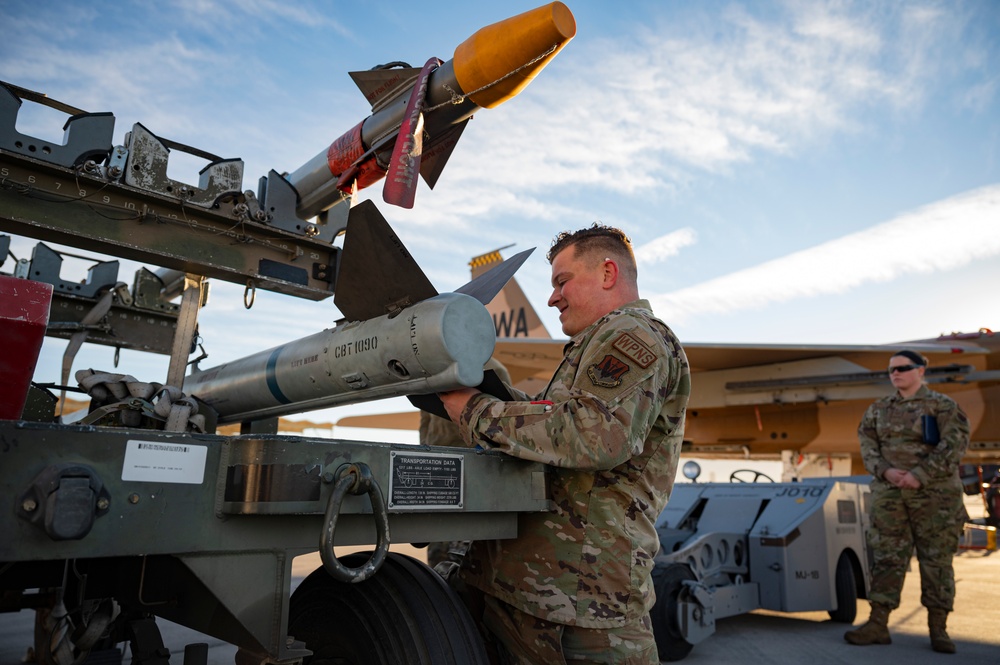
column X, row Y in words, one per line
column 789, row 172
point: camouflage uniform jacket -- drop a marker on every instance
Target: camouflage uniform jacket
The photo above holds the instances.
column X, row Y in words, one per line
column 611, row 436
column 438, row 431
column 892, row 435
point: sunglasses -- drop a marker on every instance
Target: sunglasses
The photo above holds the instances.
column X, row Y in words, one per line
column 902, row 368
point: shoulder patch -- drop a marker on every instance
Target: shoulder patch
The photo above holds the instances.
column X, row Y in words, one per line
column 632, row 348
column 608, row 373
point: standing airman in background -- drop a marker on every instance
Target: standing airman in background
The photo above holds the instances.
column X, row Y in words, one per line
column 912, row 443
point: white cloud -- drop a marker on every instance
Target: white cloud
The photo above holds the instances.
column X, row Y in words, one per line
column 935, row 238
column 262, row 13
column 662, row 248
column 651, row 110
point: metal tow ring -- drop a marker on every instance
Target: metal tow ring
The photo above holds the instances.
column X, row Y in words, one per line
column 356, row 479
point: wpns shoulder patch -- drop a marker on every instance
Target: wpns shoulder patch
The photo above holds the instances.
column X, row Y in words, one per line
column 608, row 373
column 635, row 350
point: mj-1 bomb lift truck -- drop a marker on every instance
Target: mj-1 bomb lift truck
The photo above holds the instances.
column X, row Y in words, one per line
column 731, row 548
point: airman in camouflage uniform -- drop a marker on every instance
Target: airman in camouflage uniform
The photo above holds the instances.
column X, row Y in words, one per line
column 575, row 585
column 912, row 443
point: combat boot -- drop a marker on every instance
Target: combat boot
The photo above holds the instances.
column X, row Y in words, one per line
column 936, row 620
column 875, row 631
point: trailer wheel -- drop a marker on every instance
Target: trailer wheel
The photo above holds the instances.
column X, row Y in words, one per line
column 847, row 591
column 405, row 614
column 668, row 584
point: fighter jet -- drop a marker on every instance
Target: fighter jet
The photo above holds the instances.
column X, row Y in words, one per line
column 800, row 403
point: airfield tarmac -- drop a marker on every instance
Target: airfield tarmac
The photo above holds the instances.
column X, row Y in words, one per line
column 762, row 637
column 758, row 637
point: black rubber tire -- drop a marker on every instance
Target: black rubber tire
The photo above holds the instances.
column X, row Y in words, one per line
column 847, row 591
column 405, row 614
column 667, row 582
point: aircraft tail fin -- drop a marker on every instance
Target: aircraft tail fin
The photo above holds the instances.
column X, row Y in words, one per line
column 513, row 315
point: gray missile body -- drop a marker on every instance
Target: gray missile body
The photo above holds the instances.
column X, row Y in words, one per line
column 436, row 345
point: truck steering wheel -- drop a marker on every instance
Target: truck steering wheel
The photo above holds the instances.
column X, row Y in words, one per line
column 734, row 477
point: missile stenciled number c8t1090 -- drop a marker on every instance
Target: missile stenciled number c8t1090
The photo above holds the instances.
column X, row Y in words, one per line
column 399, row 336
column 433, row 345
column 435, row 102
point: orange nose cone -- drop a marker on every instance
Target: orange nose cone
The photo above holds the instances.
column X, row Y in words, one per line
column 493, row 65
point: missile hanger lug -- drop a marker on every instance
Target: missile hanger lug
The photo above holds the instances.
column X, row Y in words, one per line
column 399, row 369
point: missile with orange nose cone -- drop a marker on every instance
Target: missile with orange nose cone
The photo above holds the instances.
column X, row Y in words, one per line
column 418, row 114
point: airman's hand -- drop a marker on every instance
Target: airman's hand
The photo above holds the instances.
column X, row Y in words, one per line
column 894, row 476
column 904, row 480
column 908, row 481
column 455, row 401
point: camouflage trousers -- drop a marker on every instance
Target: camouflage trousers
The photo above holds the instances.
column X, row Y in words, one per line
column 450, row 550
column 929, row 521
column 514, row 637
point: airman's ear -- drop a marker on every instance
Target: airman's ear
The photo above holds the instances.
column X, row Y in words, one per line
column 611, row 273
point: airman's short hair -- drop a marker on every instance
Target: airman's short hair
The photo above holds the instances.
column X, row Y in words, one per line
column 598, row 241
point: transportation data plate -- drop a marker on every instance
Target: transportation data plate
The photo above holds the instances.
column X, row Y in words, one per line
column 425, row 481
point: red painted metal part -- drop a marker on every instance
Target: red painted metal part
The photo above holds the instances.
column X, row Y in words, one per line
column 24, row 314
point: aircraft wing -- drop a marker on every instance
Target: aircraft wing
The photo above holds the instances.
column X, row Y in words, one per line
column 405, row 420
column 529, row 359
column 757, row 400
column 775, row 366
column 708, row 356
column 740, row 374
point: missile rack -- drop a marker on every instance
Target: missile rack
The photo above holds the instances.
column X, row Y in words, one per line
column 109, row 527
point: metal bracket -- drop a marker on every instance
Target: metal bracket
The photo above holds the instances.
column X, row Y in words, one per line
column 279, row 200
column 147, row 291
column 696, row 616
column 147, row 169
column 46, row 264
column 86, row 136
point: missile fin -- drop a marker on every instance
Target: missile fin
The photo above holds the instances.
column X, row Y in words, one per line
column 437, row 153
column 381, row 86
column 485, row 287
column 377, row 274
